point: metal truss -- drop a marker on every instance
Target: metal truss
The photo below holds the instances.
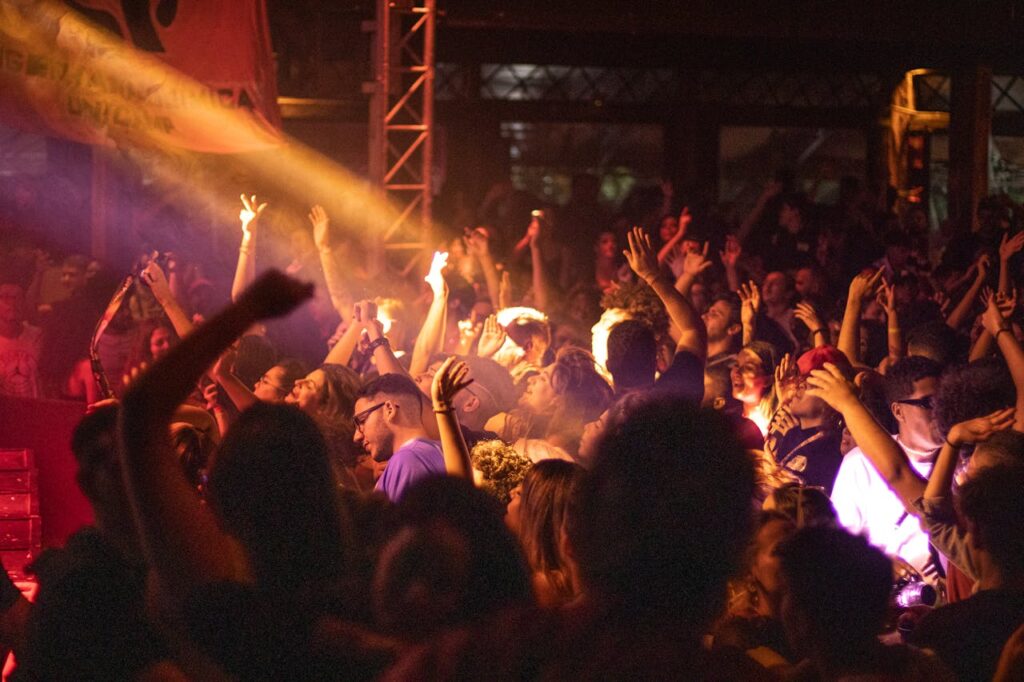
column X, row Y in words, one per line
column 402, row 128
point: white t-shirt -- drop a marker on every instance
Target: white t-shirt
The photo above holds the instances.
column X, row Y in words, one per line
column 19, row 363
column 867, row 506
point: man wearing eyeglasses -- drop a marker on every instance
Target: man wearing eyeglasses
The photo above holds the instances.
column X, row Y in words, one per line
column 863, row 500
column 389, row 427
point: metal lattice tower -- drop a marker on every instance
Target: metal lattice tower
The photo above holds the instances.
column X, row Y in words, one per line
column 401, row 128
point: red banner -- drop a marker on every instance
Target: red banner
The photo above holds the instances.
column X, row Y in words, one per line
column 187, row 74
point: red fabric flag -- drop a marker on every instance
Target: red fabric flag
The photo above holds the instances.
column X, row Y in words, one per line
column 189, row 74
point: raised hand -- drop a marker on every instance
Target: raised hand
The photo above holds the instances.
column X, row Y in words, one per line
column 864, row 285
column 225, row 364
column 984, row 262
column 998, row 309
column 785, row 374
column 492, row 338
column 533, row 231
column 1008, row 245
column 435, row 277
column 830, row 385
column 250, row 213
column 750, row 302
column 640, row 255
column 364, row 311
column 213, row 397
column 154, row 277
column 733, row 250
column 695, row 262
column 505, row 291
column 450, row 378
column 274, row 294
column 685, row 218
column 981, row 429
column 468, row 333
column 130, row 378
column 941, row 300
column 886, row 298
column 478, row 242
column 806, row 313
column 321, row 227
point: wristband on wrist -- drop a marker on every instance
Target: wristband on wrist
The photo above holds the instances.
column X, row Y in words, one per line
column 952, row 444
column 443, row 409
column 1004, row 329
column 819, row 330
column 377, row 343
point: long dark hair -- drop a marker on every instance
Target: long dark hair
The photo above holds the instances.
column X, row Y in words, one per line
column 545, row 501
column 273, row 487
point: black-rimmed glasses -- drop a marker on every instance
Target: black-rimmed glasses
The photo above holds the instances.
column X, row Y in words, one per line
column 360, row 419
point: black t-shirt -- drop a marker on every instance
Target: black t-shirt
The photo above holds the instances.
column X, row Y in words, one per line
column 812, row 454
column 969, row 635
column 684, row 377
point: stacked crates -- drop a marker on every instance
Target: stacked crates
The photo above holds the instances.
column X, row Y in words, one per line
column 20, row 526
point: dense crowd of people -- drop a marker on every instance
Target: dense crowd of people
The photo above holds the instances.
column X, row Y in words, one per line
column 789, row 446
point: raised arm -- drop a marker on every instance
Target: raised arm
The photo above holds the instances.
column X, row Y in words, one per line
column 965, row 433
column 771, row 190
column 862, row 286
column 478, row 243
column 1008, row 247
column 882, row 451
column 894, row 334
column 328, row 259
column 641, row 258
column 997, row 311
column 223, row 373
column 383, row 356
column 963, row 308
column 540, row 280
column 730, row 261
column 153, row 276
column 245, row 270
column 693, row 264
column 806, row 313
column 449, row 380
column 750, row 308
column 181, row 539
column 430, row 340
column 671, row 244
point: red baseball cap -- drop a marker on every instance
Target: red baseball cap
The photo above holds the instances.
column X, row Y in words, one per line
column 817, row 357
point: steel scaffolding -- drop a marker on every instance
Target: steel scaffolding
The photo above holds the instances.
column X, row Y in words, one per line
column 401, row 129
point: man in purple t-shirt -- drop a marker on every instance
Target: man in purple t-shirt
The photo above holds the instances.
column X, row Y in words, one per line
column 389, row 427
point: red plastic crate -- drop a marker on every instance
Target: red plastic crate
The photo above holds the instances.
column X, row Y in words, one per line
column 19, row 481
column 16, row 460
column 21, row 533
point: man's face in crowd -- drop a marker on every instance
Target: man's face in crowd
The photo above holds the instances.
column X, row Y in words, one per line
column 917, row 422
column 804, row 406
column 72, row 278
column 373, row 432
column 716, row 319
column 805, row 283
column 774, row 288
column 12, row 303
